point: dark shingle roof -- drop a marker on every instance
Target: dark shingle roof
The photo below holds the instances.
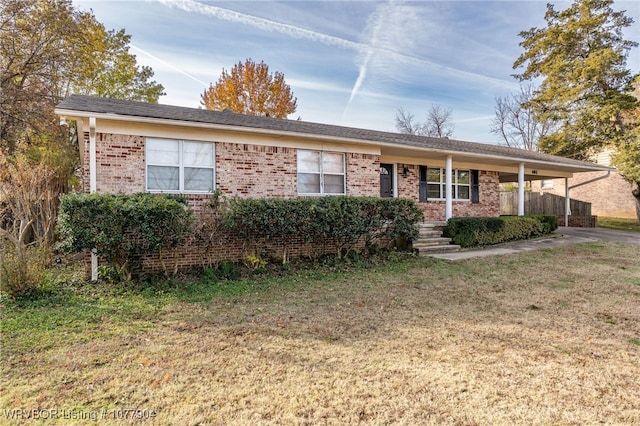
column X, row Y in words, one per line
column 92, row 104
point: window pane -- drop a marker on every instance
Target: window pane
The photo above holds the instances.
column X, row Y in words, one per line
column 332, row 163
column 433, row 191
column 463, row 177
column 433, row 175
column 163, row 151
column 197, row 154
column 198, row 179
column 333, row 184
column 308, row 183
column 463, row 192
column 308, row 161
column 160, row 178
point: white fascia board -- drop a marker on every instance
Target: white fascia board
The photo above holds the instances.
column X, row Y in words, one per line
column 71, row 114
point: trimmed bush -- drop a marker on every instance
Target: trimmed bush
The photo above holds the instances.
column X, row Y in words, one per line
column 122, row 229
column 339, row 220
column 481, row 231
column 549, row 222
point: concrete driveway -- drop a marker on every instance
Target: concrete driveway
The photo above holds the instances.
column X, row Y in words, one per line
column 562, row 236
column 601, row 234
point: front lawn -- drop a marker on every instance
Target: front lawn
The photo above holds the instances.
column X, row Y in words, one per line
column 544, row 337
column 621, row 224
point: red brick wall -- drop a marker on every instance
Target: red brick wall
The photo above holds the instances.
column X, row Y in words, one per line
column 489, row 205
column 363, row 174
column 610, row 197
column 255, row 171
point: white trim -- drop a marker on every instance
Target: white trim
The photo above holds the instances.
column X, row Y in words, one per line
column 181, row 167
column 212, row 126
column 322, row 174
column 394, row 182
column 448, row 188
column 93, row 186
column 521, row 189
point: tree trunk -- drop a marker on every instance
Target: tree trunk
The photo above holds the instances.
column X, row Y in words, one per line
column 636, row 194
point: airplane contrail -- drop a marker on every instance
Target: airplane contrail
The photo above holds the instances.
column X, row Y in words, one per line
column 181, row 71
column 301, row 33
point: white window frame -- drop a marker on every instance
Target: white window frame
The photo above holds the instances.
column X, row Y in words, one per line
column 322, row 174
column 181, row 166
column 455, row 186
column 546, row 184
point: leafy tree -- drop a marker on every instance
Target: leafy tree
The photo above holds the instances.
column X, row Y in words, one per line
column 250, row 89
column 49, row 50
column 438, row 123
column 516, row 124
column 581, row 57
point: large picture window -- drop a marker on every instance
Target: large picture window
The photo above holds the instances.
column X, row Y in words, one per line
column 435, row 182
column 321, row 173
column 179, row 166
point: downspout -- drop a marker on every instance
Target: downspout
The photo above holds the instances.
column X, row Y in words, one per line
column 567, row 194
column 93, row 185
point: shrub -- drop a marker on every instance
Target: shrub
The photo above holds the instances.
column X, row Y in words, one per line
column 336, row 220
column 480, row 231
column 122, row 229
column 549, row 222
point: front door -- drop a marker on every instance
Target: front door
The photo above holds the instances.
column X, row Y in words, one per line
column 386, row 180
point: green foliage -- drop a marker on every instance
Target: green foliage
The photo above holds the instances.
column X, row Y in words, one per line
column 549, row 222
column 338, row 220
column 121, row 229
column 581, row 57
column 481, row 231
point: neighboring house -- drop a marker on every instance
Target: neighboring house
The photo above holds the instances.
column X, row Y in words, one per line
column 129, row 147
column 609, row 193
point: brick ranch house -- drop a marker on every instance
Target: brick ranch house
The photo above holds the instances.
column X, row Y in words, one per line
column 129, row 147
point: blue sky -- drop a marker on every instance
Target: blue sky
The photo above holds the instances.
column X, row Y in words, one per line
column 351, row 63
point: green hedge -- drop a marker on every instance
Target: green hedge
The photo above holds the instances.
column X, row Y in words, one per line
column 122, row 229
column 339, row 219
column 481, row 231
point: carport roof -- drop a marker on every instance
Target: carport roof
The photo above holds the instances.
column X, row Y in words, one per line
column 79, row 106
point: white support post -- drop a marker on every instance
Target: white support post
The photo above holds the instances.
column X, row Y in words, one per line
column 93, row 185
column 448, row 185
column 521, row 189
column 567, row 201
column 395, row 180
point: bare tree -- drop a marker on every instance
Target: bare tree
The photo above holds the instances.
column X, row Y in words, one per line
column 406, row 125
column 515, row 122
column 438, row 123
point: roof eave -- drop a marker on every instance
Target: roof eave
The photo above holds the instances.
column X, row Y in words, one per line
column 72, row 114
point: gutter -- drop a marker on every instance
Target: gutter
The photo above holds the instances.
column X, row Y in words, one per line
column 567, row 198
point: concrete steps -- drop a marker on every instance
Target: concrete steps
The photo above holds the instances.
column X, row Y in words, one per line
column 431, row 241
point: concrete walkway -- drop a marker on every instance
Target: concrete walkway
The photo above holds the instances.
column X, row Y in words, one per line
column 563, row 236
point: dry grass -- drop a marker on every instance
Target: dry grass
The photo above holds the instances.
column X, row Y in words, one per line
column 548, row 337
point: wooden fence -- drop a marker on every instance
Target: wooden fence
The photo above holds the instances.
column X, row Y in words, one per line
column 536, row 203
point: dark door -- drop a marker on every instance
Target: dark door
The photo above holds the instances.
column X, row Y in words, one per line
column 386, row 180
column 423, row 183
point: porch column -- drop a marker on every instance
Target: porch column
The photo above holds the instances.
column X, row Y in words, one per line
column 567, row 202
column 448, row 187
column 521, row 189
column 93, row 185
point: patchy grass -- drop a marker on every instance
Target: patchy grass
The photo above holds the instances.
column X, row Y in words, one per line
column 547, row 337
column 619, row 224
